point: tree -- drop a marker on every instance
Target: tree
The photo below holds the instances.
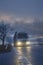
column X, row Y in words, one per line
column 4, row 29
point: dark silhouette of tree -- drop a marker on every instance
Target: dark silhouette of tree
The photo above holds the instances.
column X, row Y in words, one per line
column 4, row 29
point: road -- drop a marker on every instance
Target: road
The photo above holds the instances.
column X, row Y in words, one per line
column 31, row 55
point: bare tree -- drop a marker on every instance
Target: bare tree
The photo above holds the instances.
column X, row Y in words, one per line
column 4, row 29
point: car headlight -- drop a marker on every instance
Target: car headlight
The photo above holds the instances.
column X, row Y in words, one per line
column 19, row 43
column 27, row 43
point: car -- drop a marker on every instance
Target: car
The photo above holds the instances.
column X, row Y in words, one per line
column 21, row 39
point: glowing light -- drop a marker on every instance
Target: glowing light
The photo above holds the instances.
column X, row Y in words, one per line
column 27, row 43
column 18, row 43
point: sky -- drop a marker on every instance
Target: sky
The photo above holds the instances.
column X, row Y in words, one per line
column 21, row 10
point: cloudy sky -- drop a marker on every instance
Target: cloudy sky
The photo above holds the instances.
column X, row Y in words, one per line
column 21, row 10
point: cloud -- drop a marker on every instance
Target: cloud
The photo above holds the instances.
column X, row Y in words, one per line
column 5, row 18
column 14, row 18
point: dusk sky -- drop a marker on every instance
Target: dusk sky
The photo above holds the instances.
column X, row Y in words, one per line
column 21, row 10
